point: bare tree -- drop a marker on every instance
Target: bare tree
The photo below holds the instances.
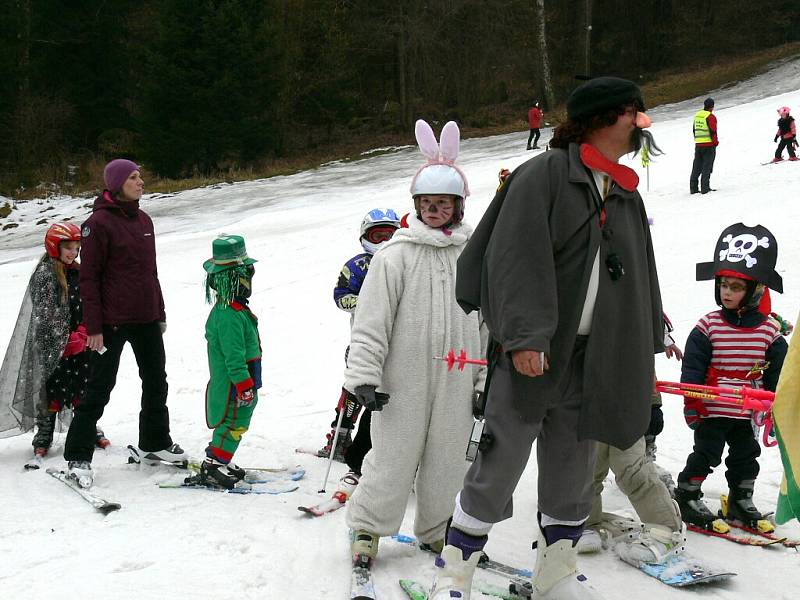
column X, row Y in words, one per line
column 587, row 61
column 547, row 81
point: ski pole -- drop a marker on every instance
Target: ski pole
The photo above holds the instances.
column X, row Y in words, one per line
column 342, row 405
column 451, row 359
column 747, row 397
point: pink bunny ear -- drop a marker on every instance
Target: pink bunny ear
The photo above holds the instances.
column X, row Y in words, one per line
column 450, row 138
column 426, row 140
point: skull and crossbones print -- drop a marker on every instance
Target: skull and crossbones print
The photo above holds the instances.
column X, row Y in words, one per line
column 740, row 247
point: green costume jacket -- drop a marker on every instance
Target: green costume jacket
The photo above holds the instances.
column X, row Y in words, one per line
column 234, row 357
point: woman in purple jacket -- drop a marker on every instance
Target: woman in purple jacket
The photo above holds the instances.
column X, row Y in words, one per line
column 122, row 302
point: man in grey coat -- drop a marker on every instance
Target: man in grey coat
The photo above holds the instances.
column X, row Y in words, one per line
column 562, row 268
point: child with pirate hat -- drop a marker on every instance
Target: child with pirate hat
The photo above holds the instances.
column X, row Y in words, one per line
column 234, row 359
column 736, row 345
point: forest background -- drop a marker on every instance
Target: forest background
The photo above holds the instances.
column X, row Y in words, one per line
column 205, row 90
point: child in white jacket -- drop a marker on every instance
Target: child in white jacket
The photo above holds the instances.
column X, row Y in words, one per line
column 407, row 314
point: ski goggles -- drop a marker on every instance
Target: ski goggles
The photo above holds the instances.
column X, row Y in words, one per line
column 379, row 233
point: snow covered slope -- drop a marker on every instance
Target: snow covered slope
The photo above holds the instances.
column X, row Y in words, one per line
column 193, row 544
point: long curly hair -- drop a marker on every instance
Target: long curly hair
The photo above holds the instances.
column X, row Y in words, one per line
column 578, row 130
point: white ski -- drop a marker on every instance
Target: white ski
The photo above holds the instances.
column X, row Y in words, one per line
column 104, row 506
column 35, row 463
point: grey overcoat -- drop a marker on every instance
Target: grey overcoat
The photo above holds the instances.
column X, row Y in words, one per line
column 527, row 267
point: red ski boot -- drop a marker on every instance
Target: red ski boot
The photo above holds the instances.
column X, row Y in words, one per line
column 101, row 441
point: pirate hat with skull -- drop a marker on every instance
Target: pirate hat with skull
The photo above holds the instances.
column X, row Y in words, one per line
column 746, row 252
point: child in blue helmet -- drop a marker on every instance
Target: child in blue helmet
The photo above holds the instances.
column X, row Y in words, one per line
column 377, row 227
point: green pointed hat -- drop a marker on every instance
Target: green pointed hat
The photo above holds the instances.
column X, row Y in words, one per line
column 228, row 252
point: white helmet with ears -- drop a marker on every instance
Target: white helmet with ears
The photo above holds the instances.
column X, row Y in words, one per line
column 439, row 174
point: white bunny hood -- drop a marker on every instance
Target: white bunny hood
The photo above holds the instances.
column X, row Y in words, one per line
column 419, row 233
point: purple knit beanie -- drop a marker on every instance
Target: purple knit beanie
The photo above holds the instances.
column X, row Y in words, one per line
column 116, row 172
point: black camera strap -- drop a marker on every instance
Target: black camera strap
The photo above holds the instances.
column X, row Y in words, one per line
column 613, row 263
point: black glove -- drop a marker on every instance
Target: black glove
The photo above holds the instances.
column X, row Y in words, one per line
column 478, row 405
column 776, row 139
column 656, row 421
column 369, row 398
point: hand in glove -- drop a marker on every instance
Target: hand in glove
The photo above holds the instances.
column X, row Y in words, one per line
column 479, row 405
column 776, row 138
column 369, row 398
column 76, row 342
column 246, row 397
column 692, row 410
column 656, row 421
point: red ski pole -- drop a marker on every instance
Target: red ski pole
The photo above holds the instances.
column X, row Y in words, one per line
column 746, row 397
column 461, row 360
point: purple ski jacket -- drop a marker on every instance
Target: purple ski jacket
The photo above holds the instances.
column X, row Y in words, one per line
column 119, row 279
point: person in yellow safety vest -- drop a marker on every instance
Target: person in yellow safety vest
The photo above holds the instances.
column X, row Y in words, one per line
column 705, row 148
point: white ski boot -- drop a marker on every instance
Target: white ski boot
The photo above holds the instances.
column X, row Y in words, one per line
column 556, row 575
column 453, row 574
column 81, row 472
column 590, row 542
column 652, row 545
column 174, row 454
column 346, row 486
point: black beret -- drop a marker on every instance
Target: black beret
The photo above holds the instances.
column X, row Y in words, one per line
column 600, row 94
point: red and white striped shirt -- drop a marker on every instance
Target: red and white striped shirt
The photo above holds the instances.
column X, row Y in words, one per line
column 735, row 351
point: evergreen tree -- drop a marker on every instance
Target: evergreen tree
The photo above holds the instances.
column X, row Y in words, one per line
column 210, row 91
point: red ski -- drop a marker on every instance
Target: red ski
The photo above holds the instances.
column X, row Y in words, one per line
column 775, row 539
column 746, row 540
column 323, row 508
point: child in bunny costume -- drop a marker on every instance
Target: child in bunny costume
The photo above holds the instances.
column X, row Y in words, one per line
column 407, row 314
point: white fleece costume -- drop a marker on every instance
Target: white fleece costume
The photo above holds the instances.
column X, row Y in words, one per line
column 407, row 314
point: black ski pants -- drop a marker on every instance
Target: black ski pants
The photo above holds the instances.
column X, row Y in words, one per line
column 709, row 442
column 362, row 443
column 533, row 135
column 702, row 167
column 148, row 347
column 784, row 143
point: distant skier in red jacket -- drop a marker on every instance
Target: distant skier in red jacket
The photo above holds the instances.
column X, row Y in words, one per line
column 534, row 122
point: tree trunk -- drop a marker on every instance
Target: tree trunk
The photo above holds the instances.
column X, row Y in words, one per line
column 587, row 61
column 24, row 37
column 547, row 82
column 402, row 82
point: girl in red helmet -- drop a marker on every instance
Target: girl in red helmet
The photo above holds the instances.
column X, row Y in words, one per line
column 45, row 368
column 786, row 136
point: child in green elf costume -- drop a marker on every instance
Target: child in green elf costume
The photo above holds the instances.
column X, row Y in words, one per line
column 234, row 359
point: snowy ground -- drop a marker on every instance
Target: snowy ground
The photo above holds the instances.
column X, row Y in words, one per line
column 193, row 544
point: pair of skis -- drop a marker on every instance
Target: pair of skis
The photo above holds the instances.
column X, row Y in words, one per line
column 417, row 591
column 277, row 480
column 776, row 162
column 256, row 481
column 363, row 587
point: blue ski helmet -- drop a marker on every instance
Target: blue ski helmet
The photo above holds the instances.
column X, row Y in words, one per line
column 379, row 216
column 374, row 218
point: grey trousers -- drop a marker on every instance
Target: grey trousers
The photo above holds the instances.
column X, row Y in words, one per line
column 638, row 479
column 565, row 464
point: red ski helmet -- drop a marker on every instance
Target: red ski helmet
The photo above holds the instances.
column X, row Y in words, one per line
column 60, row 232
